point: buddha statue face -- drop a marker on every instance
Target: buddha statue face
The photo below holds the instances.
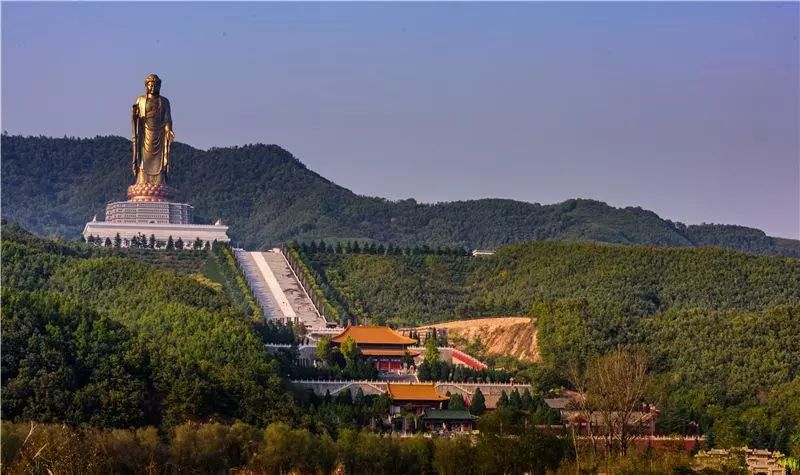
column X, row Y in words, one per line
column 152, row 84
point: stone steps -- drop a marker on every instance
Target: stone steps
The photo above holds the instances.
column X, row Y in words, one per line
column 277, row 289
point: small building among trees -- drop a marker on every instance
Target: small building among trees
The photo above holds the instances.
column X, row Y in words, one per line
column 414, row 397
column 448, row 420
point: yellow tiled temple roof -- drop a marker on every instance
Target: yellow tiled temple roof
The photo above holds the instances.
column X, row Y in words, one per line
column 414, row 392
column 373, row 335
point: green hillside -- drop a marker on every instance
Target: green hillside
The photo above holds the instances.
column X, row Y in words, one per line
column 98, row 338
column 92, row 336
column 721, row 328
column 53, row 186
column 416, row 288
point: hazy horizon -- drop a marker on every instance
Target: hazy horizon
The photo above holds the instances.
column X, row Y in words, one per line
column 688, row 110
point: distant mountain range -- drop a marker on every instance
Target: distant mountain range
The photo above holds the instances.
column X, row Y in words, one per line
column 53, row 186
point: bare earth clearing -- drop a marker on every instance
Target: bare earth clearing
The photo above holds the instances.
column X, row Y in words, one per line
column 502, row 336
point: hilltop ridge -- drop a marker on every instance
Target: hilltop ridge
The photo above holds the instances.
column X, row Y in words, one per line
column 52, row 186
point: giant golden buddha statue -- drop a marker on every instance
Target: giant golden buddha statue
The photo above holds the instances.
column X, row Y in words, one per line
column 152, row 136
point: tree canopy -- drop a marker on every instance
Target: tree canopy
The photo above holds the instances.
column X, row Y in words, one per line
column 144, row 346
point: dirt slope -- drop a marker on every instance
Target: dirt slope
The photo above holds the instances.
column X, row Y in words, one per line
column 511, row 336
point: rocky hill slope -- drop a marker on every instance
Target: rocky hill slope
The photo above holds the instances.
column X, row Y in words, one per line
column 500, row 336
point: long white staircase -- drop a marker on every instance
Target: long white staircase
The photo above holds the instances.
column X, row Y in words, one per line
column 277, row 290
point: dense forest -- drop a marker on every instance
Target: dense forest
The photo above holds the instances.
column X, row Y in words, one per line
column 415, row 286
column 90, row 336
column 721, row 328
column 54, row 186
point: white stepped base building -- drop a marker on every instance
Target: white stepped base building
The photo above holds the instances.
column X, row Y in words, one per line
column 188, row 233
column 161, row 219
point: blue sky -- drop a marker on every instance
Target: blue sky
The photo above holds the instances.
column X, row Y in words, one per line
column 687, row 109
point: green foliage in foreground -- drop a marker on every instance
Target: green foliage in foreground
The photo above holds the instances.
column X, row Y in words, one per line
column 52, row 186
column 144, row 346
column 220, row 448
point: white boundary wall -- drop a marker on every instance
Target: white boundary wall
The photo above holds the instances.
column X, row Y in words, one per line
column 187, row 232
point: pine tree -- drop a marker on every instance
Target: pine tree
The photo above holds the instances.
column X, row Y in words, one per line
column 431, row 351
column 356, row 248
column 313, row 399
column 198, row 244
column 457, row 402
column 179, row 244
column 170, row 244
column 424, row 372
column 107, row 242
column 324, row 351
column 344, row 397
column 152, row 242
column 478, row 404
column 117, row 241
column 442, row 340
column 359, row 400
column 503, row 401
column 527, row 401
column 515, row 401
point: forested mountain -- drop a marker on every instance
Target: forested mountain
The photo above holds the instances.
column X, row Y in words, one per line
column 53, row 186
